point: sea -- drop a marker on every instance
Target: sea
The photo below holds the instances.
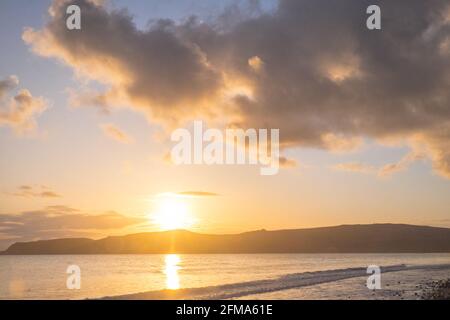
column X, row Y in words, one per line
column 208, row 276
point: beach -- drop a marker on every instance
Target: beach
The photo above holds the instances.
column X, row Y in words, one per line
column 400, row 285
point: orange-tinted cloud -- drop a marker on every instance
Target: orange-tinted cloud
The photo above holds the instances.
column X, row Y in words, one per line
column 401, row 165
column 115, row 133
column 385, row 170
column 28, row 191
column 20, row 111
column 287, row 162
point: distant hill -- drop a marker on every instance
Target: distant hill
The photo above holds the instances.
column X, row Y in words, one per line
column 375, row 238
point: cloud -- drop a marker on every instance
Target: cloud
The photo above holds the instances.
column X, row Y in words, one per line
column 115, row 133
column 28, row 191
column 60, row 209
column 341, row 144
column 310, row 68
column 437, row 142
column 385, row 170
column 401, row 165
column 20, row 111
column 8, row 84
column 256, row 63
column 60, row 221
column 287, row 163
column 49, row 194
column 357, row 167
column 197, row 194
column 151, row 69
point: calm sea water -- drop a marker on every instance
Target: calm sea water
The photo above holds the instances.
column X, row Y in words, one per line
column 44, row 277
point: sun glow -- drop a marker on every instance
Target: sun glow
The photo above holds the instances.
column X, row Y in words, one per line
column 172, row 213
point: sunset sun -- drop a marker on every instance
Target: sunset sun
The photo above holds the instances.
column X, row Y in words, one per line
column 172, row 213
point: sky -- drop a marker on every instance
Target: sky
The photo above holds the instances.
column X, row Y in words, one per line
column 86, row 115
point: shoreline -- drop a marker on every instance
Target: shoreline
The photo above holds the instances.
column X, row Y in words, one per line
column 399, row 282
column 411, row 284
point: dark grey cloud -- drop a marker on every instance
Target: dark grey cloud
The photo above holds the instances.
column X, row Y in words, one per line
column 60, row 221
column 153, row 68
column 310, row 68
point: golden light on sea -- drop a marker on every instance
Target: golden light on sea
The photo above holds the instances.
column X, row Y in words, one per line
column 171, row 267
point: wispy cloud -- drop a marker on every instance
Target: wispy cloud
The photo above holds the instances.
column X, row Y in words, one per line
column 197, row 194
column 401, row 165
column 113, row 132
column 357, row 167
column 385, row 170
column 29, row 191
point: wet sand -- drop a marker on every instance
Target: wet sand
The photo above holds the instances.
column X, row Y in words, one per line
column 400, row 285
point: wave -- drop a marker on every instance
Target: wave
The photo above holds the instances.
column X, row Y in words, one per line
column 284, row 282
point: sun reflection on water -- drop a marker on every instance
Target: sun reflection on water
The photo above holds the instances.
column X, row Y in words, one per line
column 171, row 267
